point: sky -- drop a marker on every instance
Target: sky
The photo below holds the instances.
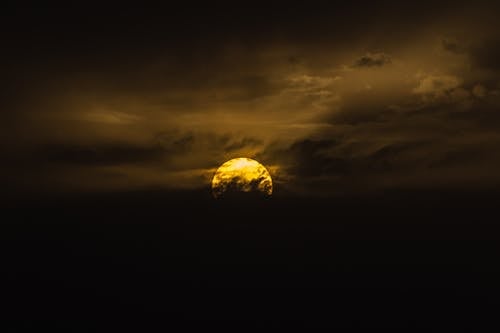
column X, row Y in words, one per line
column 332, row 98
column 378, row 121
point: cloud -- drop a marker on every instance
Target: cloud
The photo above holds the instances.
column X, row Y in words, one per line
column 311, row 82
column 311, row 158
column 373, row 60
column 356, row 116
column 453, row 46
column 187, row 143
column 436, row 86
column 102, row 154
column 109, row 117
column 324, row 167
column 479, row 91
column 144, row 104
column 486, row 55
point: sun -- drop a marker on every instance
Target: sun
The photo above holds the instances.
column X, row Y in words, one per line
column 242, row 175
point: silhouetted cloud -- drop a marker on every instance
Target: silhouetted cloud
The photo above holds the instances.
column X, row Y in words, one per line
column 373, row 60
column 487, row 54
column 453, row 46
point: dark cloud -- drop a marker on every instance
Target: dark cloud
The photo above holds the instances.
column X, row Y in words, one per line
column 320, row 166
column 242, row 143
column 394, row 156
column 314, row 159
column 142, row 90
column 101, row 154
column 463, row 156
column 487, row 55
column 453, row 46
column 366, row 106
column 112, row 41
column 383, row 141
column 373, row 60
column 165, row 150
column 353, row 115
column 315, row 165
column 311, row 158
column 176, row 142
column 481, row 116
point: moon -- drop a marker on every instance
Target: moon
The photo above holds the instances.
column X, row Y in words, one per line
column 242, row 175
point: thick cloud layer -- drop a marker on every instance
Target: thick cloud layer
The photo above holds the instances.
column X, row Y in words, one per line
column 332, row 98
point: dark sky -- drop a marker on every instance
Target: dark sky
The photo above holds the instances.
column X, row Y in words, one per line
column 331, row 97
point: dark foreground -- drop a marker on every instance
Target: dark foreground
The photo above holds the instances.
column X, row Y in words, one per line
column 152, row 260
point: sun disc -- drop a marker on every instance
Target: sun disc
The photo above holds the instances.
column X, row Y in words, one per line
column 241, row 175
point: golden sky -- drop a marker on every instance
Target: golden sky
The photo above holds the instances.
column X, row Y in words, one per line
column 332, row 100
